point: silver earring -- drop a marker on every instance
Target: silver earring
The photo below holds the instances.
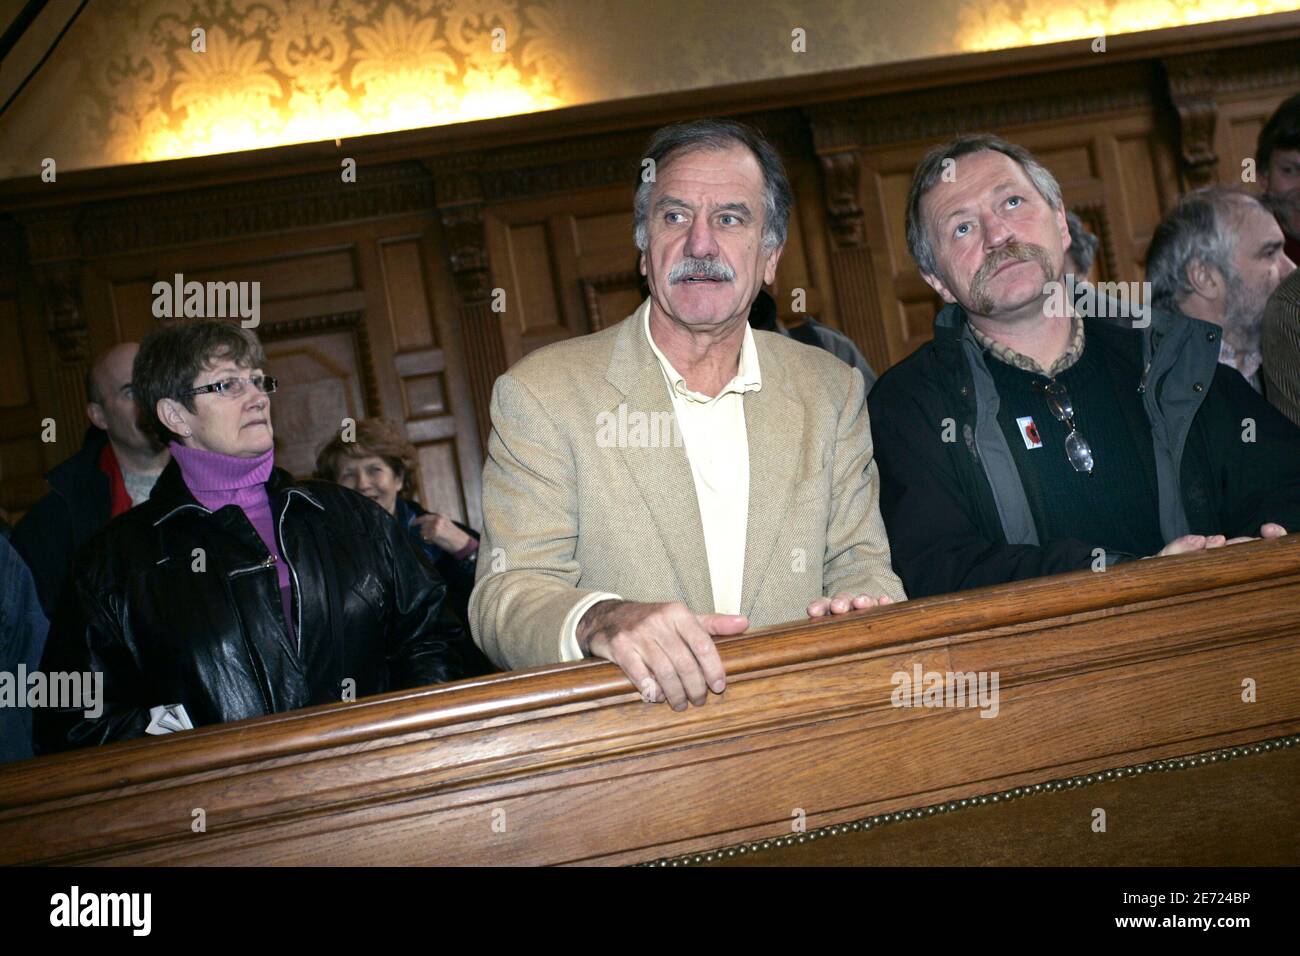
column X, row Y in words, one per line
column 188, row 433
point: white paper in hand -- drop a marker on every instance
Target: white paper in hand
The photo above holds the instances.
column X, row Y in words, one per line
column 167, row 719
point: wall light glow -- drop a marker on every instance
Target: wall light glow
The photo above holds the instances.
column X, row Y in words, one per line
column 1001, row 25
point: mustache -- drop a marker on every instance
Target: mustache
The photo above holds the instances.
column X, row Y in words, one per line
column 708, row 268
column 1013, row 251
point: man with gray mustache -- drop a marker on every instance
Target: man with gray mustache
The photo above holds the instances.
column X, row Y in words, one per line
column 1026, row 439
column 761, row 506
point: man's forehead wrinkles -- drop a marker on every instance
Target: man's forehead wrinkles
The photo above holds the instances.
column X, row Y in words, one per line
column 732, row 178
column 729, row 187
column 943, row 208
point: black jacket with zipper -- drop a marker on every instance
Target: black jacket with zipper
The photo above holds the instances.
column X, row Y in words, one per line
column 178, row 604
column 953, row 502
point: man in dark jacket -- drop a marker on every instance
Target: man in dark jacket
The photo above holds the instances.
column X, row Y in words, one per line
column 1026, row 439
column 114, row 470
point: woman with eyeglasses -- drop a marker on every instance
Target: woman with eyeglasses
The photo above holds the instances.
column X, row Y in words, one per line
column 235, row 591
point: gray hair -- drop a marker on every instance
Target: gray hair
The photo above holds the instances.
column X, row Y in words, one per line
column 668, row 141
column 1083, row 244
column 1198, row 229
column 172, row 356
column 931, row 169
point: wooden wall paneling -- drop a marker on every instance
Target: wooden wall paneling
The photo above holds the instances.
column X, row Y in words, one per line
column 132, row 305
column 386, row 331
column 22, row 467
column 905, row 303
column 540, row 251
column 531, row 312
column 53, row 246
column 611, row 298
column 406, row 293
column 607, row 259
column 22, row 460
column 602, row 232
column 322, row 365
column 432, row 379
column 1242, row 114
column 463, row 449
column 852, row 262
column 464, row 238
column 1131, row 203
column 25, row 381
column 563, row 230
column 806, row 262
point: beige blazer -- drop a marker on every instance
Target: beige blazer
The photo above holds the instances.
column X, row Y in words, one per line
column 567, row 512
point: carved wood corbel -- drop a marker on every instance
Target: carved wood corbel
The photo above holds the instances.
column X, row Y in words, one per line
column 851, row 261
column 459, row 196
column 1192, row 80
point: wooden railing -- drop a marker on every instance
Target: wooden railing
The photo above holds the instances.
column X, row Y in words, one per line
column 566, row 764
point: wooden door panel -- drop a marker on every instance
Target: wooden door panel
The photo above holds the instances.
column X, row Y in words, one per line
column 320, row 387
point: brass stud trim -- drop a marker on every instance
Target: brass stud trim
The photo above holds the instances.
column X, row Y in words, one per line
column 855, row 826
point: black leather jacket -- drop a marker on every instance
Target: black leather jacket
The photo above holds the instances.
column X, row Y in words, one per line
column 165, row 627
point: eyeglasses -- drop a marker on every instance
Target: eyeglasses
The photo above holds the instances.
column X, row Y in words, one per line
column 1077, row 448
column 235, row 387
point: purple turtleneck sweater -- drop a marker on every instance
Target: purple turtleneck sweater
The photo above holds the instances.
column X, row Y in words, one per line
column 218, row 480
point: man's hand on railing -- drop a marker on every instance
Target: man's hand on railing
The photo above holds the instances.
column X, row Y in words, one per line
column 844, row 602
column 1200, row 542
column 664, row 649
column 1269, row 530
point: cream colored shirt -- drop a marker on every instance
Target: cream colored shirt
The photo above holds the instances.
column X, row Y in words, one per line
column 712, row 431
